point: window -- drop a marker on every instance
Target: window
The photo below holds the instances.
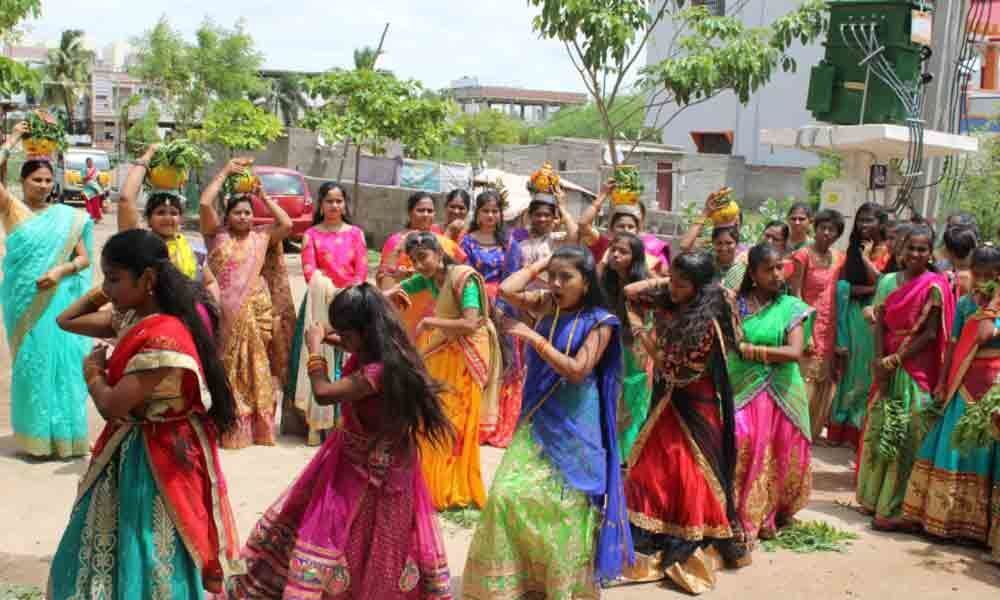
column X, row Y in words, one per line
column 102, row 97
column 109, row 136
column 715, row 7
column 562, row 165
column 281, row 184
column 713, row 142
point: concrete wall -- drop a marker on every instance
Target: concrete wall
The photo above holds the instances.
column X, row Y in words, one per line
column 781, row 103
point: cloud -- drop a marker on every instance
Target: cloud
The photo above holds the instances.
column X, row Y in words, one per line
column 434, row 41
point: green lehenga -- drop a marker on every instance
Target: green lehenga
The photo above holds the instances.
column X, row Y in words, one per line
column 523, row 543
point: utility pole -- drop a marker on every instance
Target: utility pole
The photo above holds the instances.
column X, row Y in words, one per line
column 948, row 35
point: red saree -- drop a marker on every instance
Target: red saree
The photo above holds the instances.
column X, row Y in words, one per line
column 181, row 445
column 903, row 314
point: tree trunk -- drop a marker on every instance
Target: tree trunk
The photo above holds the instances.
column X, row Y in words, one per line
column 343, row 160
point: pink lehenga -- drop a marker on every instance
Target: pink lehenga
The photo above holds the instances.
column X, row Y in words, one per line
column 358, row 523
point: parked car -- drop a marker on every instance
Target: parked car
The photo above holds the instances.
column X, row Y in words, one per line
column 289, row 189
column 68, row 177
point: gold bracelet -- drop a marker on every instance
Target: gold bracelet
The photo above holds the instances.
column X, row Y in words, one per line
column 763, row 353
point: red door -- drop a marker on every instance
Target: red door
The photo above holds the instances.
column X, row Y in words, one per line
column 665, row 186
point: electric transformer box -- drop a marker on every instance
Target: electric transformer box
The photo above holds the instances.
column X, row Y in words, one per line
column 867, row 39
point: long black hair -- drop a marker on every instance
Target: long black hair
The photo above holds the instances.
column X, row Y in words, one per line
column 410, row 407
column 614, row 286
column 137, row 250
column 326, row 188
column 582, row 259
column 412, row 201
column 855, row 271
column 159, row 198
column 482, row 200
column 755, row 257
column 687, row 329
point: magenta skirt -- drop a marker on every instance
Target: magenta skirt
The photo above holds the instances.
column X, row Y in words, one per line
column 773, row 476
column 358, row 523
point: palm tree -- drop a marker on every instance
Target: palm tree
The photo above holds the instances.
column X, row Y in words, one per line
column 286, row 98
column 67, row 73
column 365, row 57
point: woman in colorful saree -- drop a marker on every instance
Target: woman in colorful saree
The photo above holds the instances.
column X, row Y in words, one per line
column 954, row 494
column 334, row 257
column 496, row 256
column 913, row 317
column 773, row 475
column 164, row 214
column 555, row 525
column 358, row 521
column 93, row 191
column 46, row 268
column 394, row 265
column 625, row 218
column 456, row 213
column 679, row 479
column 625, row 263
column 237, row 256
column 152, row 517
column 855, row 341
column 459, row 344
column 817, row 268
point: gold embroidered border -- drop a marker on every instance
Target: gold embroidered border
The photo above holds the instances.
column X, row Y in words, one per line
column 948, row 504
column 647, row 428
column 164, row 359
column 42, row 297
column 690, row 533
column 52, row 447
column 99, row 462
column 529, row 578
column 706, row 469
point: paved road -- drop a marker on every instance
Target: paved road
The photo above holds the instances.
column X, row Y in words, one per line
column 38, row 496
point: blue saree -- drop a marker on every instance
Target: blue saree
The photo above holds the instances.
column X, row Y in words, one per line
column 555, row 521
column 48, row 392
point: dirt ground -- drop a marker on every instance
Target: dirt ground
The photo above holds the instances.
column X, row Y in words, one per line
column 37, row 498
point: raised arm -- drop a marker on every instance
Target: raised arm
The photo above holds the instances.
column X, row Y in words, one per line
column 128, row 213
column 210, row 222
column 85, row 317
column 512, row 289
column 282, row 222
column 6, row 198
column 345, row 389
column 569, row 223
column 575, row 368
column 586, row 222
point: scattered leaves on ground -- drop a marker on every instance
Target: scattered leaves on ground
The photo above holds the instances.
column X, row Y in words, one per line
column 465, row 518
column 810, row 536
column 20, row 592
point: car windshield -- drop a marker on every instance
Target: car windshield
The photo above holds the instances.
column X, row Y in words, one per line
column 281, row 184
column 76, row 162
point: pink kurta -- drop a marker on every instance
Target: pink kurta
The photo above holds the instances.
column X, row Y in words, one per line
column 340, row 255
column 819, row 290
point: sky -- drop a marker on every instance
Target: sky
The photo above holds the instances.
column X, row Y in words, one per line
column 434, row 41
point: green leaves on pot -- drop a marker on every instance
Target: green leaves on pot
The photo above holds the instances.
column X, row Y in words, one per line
column 46, row 127
column 627, row 179
column 180, row 154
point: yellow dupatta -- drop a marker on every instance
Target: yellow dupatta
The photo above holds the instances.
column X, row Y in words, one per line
column 182, row 255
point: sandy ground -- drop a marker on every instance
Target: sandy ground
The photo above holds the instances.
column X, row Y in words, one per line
column 37, row 498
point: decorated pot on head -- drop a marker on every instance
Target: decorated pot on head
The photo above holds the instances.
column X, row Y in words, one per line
column 627, row 187
column 45, row 135
column 544, row 185
column 722, row 208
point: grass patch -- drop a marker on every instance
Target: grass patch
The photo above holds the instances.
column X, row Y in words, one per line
column 810, row 536
column 20, row 592
column 465, row 518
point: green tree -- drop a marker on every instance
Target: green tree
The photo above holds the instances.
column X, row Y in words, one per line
column 238, row 125
column 813, row 177
column 221, row 64
column 144, row 131
column 976, row 185
column 16, row 78
column 586, row 122
column 125, row 119
column 707, row 54
column 67, row 73
column 484, row 129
